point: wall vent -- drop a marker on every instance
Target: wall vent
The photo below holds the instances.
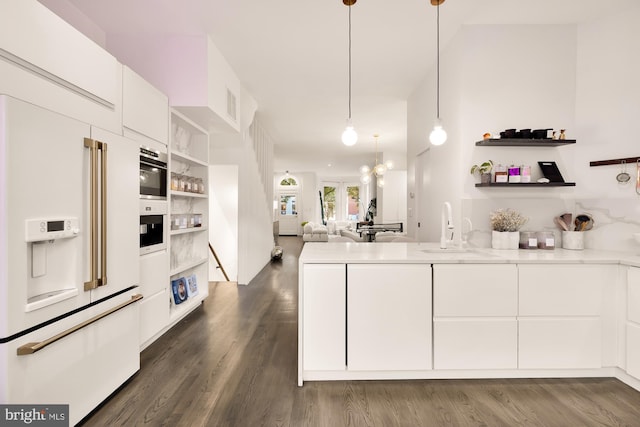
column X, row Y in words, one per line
column 231, row 105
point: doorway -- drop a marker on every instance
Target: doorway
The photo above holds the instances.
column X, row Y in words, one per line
column 288, row 212
column 422, row 180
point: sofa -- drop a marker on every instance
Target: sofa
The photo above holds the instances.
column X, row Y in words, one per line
column 314, row 232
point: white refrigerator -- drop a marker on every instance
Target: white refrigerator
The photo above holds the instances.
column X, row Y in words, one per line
column 69, row 270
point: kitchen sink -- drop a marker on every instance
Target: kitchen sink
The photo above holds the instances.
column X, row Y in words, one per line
column 448, row 251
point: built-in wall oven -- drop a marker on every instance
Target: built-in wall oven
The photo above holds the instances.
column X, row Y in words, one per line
column 153, row 226
column 153, row 174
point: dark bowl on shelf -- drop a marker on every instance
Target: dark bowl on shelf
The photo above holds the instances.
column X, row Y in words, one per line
column 508, row 133
column 525, row 133
column 540, row 133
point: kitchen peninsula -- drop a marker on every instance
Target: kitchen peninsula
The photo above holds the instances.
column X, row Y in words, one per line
column 414, row 311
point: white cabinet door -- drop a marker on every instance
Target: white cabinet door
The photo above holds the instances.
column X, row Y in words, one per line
column 560, row 343
column 633, row 349
column 475, row 290
column 475, row 343
column 323, row 317
column 144, row 108
column 633, row 294
column 389, row 317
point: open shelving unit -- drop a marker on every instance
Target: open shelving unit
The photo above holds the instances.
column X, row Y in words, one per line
column 188, row 247
column 526, row 184
column 524, row 142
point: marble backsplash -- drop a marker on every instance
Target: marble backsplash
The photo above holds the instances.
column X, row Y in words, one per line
column 615, row 220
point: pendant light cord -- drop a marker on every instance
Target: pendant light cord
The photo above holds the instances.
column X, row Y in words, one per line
column 349, row 62
column 438, row 62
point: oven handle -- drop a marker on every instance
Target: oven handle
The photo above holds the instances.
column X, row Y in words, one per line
column 153, row 163
column 33, row 347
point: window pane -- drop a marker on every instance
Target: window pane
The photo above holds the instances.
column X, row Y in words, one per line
column 353, row 202
column 289, row 181
column 329, row 197
column 288, row 205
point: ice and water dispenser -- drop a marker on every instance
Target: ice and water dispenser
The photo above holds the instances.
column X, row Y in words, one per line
column 53, row 260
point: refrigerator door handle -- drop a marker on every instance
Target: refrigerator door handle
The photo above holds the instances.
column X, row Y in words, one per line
column 102, row 281
column 93, row 213
column 33, row 347
column 98, row 215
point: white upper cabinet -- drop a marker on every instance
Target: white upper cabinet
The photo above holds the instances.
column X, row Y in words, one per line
column 145, row 109
column 47, row 62
column 38, row 39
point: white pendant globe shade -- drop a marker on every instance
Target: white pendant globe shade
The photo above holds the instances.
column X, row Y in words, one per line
column 389, row 164
column 380, row 182
column 365, row 179
column 349, row 136
column 364, row 169
column 380, row 169
column 438, row 135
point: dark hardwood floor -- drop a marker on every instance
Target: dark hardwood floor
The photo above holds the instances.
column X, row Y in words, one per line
column 233, row 362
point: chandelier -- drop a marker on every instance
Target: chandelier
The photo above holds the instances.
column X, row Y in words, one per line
column 378, row 170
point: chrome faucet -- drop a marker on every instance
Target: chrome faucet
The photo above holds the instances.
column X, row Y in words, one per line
column 446, row 218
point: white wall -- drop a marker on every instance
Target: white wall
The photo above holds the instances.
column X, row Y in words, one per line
column 255, row 222
column 445, row 170
column 582, row 78
column 394, row 197
column 223, row 220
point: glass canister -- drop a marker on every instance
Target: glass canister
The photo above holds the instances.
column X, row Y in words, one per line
column 175, row 222
column 191, row 184
column 199, row 186
column 501, row 173
column 528, row 240
column 181, row 182
column 175, row 181
column 546, row 240
column 514, row 173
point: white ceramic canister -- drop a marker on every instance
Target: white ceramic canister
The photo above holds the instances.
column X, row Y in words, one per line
column 573, row 240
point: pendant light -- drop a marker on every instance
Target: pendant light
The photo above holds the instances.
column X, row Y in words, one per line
column 438, row 135
column 349, row 136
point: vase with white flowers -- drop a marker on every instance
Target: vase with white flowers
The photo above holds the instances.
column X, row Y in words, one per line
column 505, row 228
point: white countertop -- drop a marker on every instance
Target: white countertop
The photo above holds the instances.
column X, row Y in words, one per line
column 392, row 252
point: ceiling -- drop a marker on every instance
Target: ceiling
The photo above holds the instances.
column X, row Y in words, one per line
column 292, row 57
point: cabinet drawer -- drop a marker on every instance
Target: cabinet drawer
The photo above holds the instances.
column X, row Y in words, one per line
column 633, row 294
column 562, row 290
column 633, row 350
column 154, row 315
column 154, row 270
column 475, row 290
column 560, row 343
column 475, row 344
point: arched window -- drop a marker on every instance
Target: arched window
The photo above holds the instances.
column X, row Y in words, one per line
column 288, row 181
